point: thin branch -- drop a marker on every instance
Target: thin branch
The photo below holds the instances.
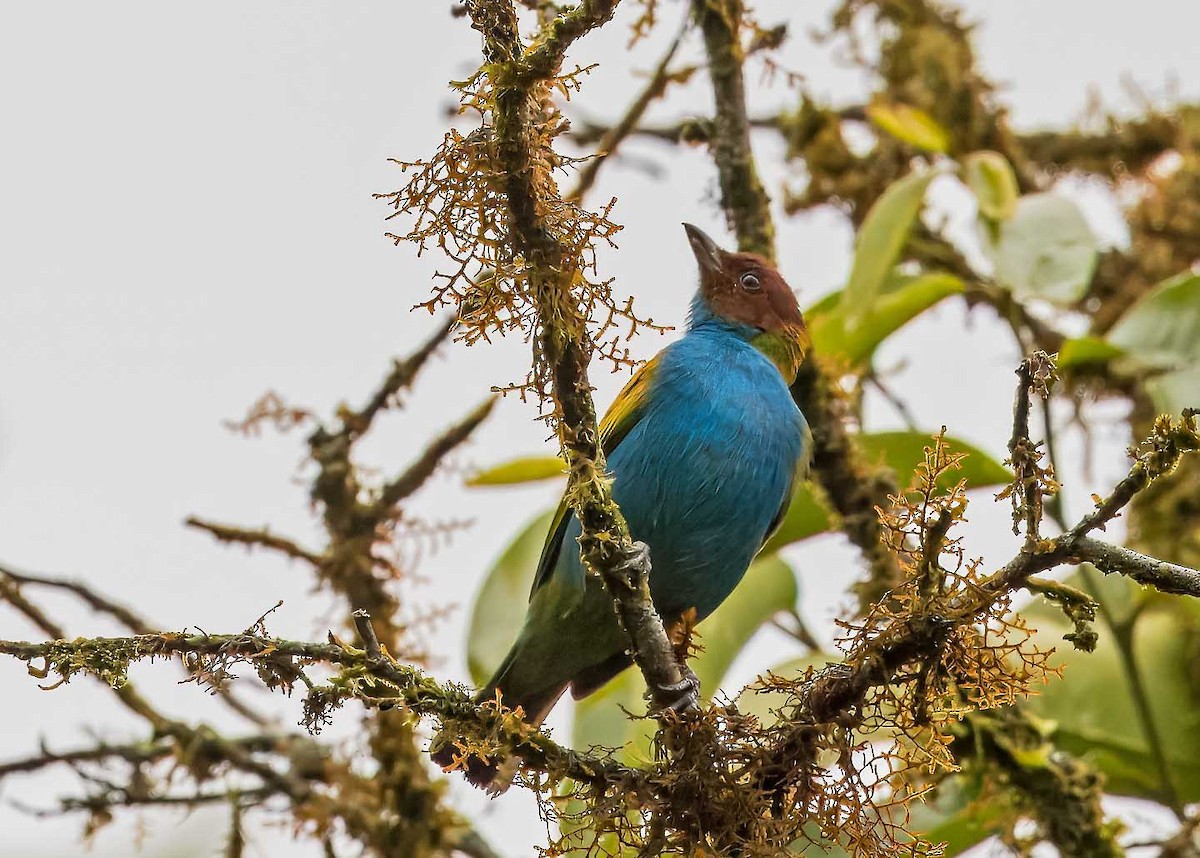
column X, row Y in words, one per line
column 91, row 597
column 422, row 469
column 404, row 371
column 1147, row 571
column 1030, row 481
column 654, row 89
column 133, row 752
column 259, row 537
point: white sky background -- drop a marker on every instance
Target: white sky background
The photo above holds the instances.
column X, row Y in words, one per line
column 187, row 222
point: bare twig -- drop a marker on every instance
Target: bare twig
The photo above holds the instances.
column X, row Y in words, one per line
column 261, row 537
column 89, row 595
column 399, row 488
column 654, row 89
column 1148, row 571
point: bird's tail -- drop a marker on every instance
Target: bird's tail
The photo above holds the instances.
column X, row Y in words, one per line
column 533, row 694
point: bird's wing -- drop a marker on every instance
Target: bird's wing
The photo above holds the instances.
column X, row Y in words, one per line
column 803, row 465
column 625, row 412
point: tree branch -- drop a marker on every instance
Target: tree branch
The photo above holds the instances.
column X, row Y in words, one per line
column 654, row 89
column 1147, row 571
column 109, row 659
column 402, row 486
column 605, row 543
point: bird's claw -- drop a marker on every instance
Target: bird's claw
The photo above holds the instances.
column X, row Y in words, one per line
column 638, row 560
column 682, row 696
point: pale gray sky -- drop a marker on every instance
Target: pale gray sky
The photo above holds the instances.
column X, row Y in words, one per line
column 187, row 220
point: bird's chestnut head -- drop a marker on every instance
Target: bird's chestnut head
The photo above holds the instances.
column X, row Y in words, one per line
column 743, row 288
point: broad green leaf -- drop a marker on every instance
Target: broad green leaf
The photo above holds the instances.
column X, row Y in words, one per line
column 1163, row 328
column 990, row 177
column 768, row 588
column 903, row 451
column 528, row 469
column 499, row 607
column 954, row 817
column 1095, row 715
column 806, row 516
column 893, row 308
column 1045, row 250
column 604, row 719
column 900, row 451
column 880, row 240
column 1162, row 332
column 909, row 125
column 1174, row 391
column 1081, row 351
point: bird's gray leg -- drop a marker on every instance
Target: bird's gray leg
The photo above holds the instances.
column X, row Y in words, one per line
column 684, row 695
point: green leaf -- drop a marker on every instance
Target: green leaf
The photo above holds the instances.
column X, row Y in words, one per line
column 1081, row 351
column 806, row 516
column 528, row 469
column 902, row 452
column 602, row 719
column 1163, row 328
column 1045, row 250
column 1174, row 391
column 768, row 588
column 499, row 607
column 1095, row 715
column 909, row 125
column 954, row 817
column 880, row 241
column 893, row 308
column 990, row 177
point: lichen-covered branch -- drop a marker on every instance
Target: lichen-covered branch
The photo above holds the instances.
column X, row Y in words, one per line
column 743, row 196
column 837, row 690
column 563, row 343
column 109, row 659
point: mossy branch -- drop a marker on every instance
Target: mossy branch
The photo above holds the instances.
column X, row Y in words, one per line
column 562, row 340
column 109, row 659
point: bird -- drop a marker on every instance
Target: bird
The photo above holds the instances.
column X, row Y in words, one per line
column 704, row 446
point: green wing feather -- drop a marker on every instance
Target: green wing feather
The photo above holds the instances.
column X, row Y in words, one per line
column 625, row 412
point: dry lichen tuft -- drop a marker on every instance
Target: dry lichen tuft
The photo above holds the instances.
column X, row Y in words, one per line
column 460, row 202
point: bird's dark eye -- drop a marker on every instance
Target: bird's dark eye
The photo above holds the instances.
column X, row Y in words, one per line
column 750, row 282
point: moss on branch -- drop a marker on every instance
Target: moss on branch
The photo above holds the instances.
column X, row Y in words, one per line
column 553, row 271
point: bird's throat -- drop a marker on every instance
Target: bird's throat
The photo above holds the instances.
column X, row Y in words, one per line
column 785, row 348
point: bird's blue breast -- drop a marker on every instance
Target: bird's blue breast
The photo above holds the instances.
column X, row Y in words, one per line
column 705, row 472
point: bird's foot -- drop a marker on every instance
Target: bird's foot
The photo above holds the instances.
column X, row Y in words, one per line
column 682, row 696
column 638, row 561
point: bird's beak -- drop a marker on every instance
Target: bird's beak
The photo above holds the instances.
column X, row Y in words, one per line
column 706, row 250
